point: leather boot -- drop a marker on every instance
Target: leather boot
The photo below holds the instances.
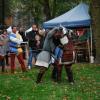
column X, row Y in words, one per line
column 3, row 68
column 24, row 70
column 39, row 77
column 3, row 65
column 54, row 74
column 59, row 71
column 12, row 71
column 69, row 74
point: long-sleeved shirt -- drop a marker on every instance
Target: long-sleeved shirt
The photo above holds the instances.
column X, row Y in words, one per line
column 15, row 41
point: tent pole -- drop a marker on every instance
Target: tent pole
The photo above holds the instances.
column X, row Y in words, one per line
column 91, row 37
column 88, row 44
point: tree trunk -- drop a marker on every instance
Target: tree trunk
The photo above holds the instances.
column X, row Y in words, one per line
column 2, row 11
column 54, row 8
column 46, row 9
column 95, row 11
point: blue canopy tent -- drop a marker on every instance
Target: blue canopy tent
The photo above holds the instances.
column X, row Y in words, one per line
column 76, row 17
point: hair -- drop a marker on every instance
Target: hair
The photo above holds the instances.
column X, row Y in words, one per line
column 4, row 30
column 35, row 24
column 13, row 26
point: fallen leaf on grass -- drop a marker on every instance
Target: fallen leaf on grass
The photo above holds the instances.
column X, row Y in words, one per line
column 8, row 98
column 19, row 98
column 65, row 98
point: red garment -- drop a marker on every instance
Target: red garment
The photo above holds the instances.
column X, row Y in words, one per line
column 80, row 32
column 20, row 59
column 1, row 57
column 68, row 52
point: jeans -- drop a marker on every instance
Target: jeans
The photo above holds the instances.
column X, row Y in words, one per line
column 31, row 55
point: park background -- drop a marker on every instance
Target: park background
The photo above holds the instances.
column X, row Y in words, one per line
column 22, row 86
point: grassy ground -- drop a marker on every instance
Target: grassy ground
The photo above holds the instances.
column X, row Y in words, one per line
column 22, row 86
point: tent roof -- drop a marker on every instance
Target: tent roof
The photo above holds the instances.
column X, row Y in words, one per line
column 76, row 17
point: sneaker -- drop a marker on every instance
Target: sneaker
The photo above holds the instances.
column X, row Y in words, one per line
column 29, row 67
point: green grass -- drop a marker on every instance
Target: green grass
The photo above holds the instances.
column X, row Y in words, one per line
column 22, row 86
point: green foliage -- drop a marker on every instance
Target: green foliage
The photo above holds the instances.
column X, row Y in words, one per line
column 22, row 86
column 40, row 10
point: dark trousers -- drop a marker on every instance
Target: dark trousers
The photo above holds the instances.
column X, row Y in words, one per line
column 2, row 63
column 7, row 60
column 54, row 72
column 40, row 74
column 57, row 71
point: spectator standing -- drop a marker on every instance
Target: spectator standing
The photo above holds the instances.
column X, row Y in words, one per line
column 34, row 41
column 15, row 49
column 3, row 49
column 23, row 45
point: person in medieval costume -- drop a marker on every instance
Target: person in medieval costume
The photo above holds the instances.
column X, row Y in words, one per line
column 52, row 40
column 65, row 59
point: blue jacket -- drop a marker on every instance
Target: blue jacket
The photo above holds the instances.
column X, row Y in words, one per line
column 15, row 42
